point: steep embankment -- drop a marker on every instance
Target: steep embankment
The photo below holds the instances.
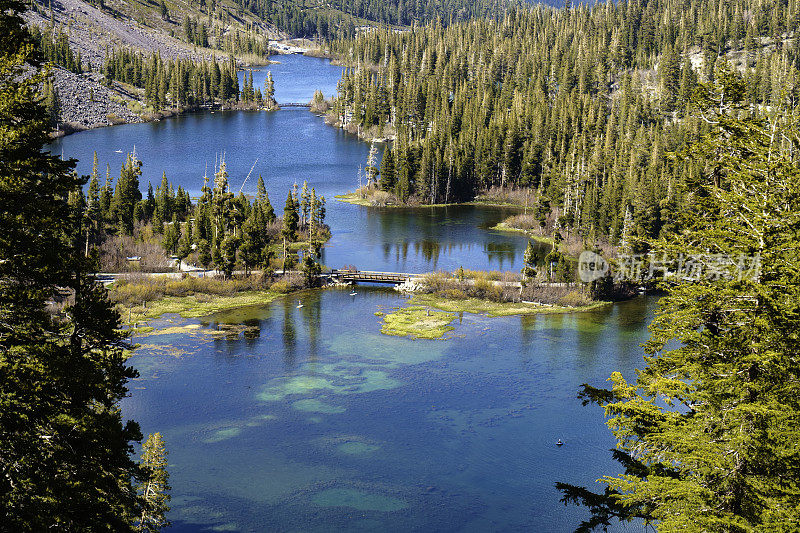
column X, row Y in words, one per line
column 84, row 101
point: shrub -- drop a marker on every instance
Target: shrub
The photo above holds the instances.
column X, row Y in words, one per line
column 575, row 299
column 281, row 286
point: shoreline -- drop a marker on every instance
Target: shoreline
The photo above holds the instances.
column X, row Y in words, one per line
column 201, row 305
column 502, row 226
column 71, row 127
column 353, row 198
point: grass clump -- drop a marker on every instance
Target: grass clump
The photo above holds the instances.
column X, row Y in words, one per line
column 147, row 297
column 499, row 294
column 417, row 322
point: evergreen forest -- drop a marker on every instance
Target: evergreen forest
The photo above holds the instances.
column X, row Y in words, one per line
column 585, row 107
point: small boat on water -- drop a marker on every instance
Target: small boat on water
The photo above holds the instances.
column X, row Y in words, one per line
column 299, row 304
column 118, row 151
column 559, row 443
column 353, row 293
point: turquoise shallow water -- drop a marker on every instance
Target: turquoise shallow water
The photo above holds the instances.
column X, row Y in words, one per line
column 311, row 420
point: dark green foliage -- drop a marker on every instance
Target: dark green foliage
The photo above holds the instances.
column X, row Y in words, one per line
column 708, row 432
column 584, row 105
column 54, row 46
column 291, row 219
column 228, row 249
column 126, row 195
column 175, row 83
column 311, row 270
column 387, row 171
column 262, row 198
column 65, row 453
column 154, row 487
column 529, row 262
column 172, row 236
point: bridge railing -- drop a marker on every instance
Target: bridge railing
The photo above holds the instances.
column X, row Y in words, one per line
column 372, row 275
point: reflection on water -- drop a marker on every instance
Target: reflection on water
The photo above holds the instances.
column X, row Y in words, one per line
column 310, row 420
column 292, row 146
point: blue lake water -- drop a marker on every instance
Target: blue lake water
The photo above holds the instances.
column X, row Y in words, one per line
column 279, row 418
column 292, row 146
column 311, row 420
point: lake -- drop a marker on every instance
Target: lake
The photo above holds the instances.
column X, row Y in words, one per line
column 292, row 146
column 287, row 418
column 309, row 419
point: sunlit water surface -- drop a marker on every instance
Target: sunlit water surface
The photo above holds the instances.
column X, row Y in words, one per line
column 309, row 419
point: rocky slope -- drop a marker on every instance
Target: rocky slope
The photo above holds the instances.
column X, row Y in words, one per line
column 84, row 102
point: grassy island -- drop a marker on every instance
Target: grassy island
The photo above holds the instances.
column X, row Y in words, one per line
column 146, row 298
column 492, row 308
column 417, row 322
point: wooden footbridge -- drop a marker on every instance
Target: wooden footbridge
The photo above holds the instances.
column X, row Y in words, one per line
column 355, row 276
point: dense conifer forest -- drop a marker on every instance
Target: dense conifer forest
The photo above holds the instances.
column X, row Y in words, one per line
column 584, row 106
column 183, row 82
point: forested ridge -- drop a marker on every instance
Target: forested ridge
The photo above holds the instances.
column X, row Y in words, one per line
column 183, row 82
column 339, row 17
column 583, row 106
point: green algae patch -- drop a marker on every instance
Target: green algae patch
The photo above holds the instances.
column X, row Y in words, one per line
column 493, row 309
column 385, row 350
column 223, row 434
column 295, row 385
column 417, row 322
column 357, row 448
column 339, row 378
column 358, row 500
column 312, row 405
column 194, row 307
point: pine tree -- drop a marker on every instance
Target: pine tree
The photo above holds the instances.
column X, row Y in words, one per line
column 228, row 249
column 372, row 161
column 63, row 438
column 154, row 487
column 290, row 219
column 387, row 181
column 204, row 253
column 269, row 87
column 94, row 212
column 106, row 195
column 529, row 262
column 707, row 433
column 127, row 194
column 185, row 245
column 305, row 205
column 172, row 236
column 221, row 202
